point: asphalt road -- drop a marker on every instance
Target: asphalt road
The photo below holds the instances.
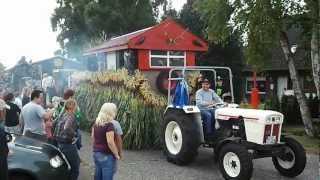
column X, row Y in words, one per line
column 152, row 165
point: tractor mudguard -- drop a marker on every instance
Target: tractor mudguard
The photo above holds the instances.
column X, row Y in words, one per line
column 218, row 146
column 187, row 109
column 192, row 111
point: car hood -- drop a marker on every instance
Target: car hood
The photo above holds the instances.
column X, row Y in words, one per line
column 33, row 144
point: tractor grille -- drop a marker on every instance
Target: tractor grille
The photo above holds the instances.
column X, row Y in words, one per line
column 275, row 131
column 271, row 133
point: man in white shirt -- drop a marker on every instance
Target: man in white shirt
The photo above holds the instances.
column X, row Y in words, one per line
column 206, row 99
column 33, row 115
column 18, row 100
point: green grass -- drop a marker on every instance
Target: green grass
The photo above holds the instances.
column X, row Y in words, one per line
column 311, row 144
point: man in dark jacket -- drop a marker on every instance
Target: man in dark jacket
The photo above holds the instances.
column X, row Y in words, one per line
column 12, row 115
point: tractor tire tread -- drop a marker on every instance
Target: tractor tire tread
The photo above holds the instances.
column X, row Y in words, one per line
column 190, row 134
column 300, row 156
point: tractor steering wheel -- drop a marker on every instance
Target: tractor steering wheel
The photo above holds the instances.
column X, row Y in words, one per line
column 220, row 105
column 217, row 105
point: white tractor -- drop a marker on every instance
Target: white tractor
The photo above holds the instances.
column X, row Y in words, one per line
column 241, row 135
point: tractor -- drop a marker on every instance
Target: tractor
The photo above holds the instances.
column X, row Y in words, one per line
column 241, row 135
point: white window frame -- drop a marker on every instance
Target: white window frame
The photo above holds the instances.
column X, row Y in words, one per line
column 168, row 56
column 248, row 91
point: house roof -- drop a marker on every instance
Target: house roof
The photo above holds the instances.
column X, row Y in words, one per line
column 167, row 35
column 43, row 61
column 117, row 43
column 57, row 58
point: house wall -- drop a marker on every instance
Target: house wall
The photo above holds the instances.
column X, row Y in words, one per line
column 111, row 61
column 143, row 59
column 277, row 82
column 282, row 84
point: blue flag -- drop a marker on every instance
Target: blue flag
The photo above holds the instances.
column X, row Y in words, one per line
column 181, row 95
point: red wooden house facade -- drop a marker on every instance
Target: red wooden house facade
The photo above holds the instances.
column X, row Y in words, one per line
column 161, row 46
column 165, row 45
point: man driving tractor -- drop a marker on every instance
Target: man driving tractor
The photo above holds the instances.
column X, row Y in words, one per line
column 206, row 99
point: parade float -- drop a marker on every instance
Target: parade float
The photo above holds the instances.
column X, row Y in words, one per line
column 132, row 71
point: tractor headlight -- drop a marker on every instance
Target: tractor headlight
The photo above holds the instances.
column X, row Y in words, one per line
column 273, row 119
column 268, row 120
column 277, row 119
column 56, row 162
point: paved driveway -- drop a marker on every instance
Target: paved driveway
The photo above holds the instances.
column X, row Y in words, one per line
column 152, row 165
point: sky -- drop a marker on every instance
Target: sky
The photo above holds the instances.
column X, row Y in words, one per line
column 25, row 30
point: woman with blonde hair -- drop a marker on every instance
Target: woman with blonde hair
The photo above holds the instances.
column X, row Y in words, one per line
column 105, row 151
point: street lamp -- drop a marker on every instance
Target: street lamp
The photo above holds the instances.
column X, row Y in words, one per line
column 294, row 48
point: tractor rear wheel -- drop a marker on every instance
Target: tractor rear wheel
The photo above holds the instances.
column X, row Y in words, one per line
column 180, row 137
column 293, row 161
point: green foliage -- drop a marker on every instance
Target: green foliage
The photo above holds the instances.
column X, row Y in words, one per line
column 2, row 67
column 169, row 11
column 249, row 106
column 272, row 103
column 68, row 19
column 216, row 13
column 311, row 144
column 258, row 23
column 82, row 23
column 228, row 53
column 290, row 109
column 191, row 19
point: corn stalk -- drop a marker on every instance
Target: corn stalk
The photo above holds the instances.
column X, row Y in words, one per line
column 139, row 109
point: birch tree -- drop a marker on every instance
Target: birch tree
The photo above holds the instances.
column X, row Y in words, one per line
column 313, row 12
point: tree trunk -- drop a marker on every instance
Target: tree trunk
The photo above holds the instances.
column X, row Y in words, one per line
column 304, row 109
column 315, row 57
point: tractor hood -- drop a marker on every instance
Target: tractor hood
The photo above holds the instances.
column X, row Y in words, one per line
column 261, row 116
column 259, row 124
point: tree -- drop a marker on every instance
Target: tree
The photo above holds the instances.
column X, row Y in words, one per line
column 228, row 54
column 2, row 68
column 169, row 11
column 85, row 23
column 192, row 19
column 313, row 14
column 261, row 25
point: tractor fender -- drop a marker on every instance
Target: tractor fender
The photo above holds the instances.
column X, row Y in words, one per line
column 223, row 142
column 186, row 109
column 191, row 111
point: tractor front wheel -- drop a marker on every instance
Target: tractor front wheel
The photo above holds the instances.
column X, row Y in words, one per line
column 235, row 163
column 293, row 159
